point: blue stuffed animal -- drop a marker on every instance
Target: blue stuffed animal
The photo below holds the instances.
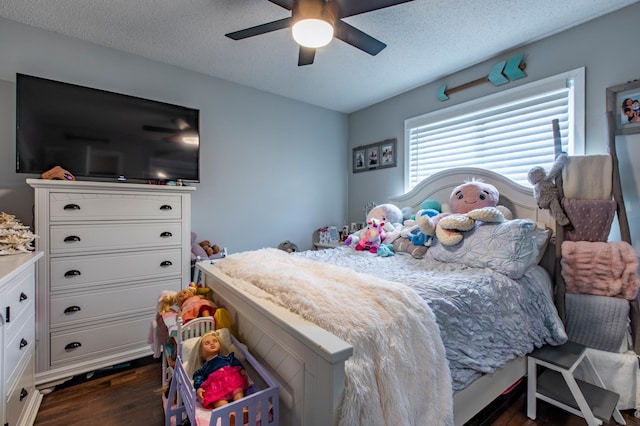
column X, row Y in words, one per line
column 385, row 250
column 419, row 238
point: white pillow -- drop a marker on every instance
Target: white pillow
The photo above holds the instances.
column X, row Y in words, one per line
column 542, row 236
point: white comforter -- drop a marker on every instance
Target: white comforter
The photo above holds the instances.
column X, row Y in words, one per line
column 393, row 332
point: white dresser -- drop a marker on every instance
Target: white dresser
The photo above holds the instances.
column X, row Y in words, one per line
column 20, row 399
column 109, row 250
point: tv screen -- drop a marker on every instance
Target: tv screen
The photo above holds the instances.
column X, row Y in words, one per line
column 99, row 134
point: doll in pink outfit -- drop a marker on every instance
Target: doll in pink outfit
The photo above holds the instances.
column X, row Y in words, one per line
column 222, row 378
column 193, row 306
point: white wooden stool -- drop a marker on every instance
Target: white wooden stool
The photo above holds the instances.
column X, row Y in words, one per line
column 557, row 385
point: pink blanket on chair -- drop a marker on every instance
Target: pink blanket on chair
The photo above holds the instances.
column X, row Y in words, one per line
column 603, row 269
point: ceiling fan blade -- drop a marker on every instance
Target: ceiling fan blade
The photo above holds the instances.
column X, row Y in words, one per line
column 306, row 56
column 287, row 4
column 260, row 29
column 356, row 7
column 158, row 129
column 357, row 38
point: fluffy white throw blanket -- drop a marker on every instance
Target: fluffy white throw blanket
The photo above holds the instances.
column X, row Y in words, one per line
column 398, row 374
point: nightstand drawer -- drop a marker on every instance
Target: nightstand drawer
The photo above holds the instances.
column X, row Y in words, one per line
column 74, row 206
column 20, row 395
column 71, row 309
column 20, row 298
column 18, row 348
column 82, row 271
column 109, row 339
column 66, row 239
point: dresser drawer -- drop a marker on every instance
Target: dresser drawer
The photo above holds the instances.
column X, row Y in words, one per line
column 23, row 390
column 104, row 304
column 20, row 301
column 71, row 272
column 66, row 239
column 74, row 206
column 17, row 348
column 109, row 339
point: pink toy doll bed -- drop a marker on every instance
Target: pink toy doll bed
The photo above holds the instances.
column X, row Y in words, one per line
column 259, row 407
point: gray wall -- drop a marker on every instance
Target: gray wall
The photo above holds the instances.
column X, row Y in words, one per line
column 271, row 168
column 600, row 46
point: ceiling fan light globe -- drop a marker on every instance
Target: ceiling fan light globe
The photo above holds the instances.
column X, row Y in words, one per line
column 312, row 33
column 191, row 140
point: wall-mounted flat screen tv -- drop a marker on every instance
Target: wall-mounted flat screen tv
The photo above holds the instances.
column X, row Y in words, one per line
column 103, row 135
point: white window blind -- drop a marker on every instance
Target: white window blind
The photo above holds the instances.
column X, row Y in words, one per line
column 508, row 133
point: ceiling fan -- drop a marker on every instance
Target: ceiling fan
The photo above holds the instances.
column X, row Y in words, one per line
column 322, row 17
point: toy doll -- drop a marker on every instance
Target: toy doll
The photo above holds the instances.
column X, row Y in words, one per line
column 222, row 378
column 193, row 305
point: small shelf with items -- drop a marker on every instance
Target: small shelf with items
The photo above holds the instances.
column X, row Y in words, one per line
column 319, row 246
column 558, row 386
column 329, row 237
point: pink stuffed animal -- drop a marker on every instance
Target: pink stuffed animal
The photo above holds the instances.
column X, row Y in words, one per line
column 470, row 202
column 371, row 236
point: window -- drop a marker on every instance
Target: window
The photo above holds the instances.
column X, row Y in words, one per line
column 509, row 132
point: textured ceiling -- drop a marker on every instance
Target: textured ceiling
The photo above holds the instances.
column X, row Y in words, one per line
column 426, row 40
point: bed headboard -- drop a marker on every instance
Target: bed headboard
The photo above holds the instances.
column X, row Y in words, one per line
column 519, row 199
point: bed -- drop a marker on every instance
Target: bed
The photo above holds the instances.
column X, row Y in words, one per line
column 315, row 366
column 259, row 407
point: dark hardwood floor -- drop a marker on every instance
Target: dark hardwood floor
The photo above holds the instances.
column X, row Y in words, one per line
column 119, row 396
column 130, row 396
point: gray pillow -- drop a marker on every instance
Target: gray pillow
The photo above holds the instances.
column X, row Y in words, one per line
column 508, row 248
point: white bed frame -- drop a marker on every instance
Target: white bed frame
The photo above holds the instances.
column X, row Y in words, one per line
column 308, row 361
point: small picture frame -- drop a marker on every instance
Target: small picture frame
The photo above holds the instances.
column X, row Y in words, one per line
column 333, row 234
column 373, row 156
column 623, row 104
column 388, row 153
column 359, row 159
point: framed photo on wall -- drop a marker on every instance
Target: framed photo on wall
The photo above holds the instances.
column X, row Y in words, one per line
column 373, row 156
column 388, row 153
column 359, row 159
column 623, row 104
